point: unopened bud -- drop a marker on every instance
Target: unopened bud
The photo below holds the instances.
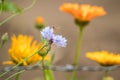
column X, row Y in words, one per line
column 39, row 23
column 4, row 38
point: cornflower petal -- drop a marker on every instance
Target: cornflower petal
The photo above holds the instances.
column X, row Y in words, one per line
column 59, row 40
column 47, row 33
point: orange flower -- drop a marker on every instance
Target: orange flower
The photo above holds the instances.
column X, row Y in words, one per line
column 84, row 12
column 39, row 23
column 39, row 20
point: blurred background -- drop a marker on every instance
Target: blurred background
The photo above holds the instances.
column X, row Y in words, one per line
column 103, row 33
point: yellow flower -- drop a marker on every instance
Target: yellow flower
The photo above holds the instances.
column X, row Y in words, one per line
column 104, row 58
column 21, row 47
column 84, row 12
column 108, row 78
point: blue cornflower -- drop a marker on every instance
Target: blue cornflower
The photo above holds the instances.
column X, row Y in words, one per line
column 47, row 33
column 59, row 40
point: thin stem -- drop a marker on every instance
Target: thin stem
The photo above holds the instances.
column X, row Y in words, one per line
column 1, row 45
column 15, row 75
column 8, row 18
column 22, row 61
column 18, row 75
column 77, row 54
column 42, row 61
column 78, row 49
column 48, row 75
column 1, row 7
column 30, row 6
column 105, row 73
column 44, row 70
column 13, row 15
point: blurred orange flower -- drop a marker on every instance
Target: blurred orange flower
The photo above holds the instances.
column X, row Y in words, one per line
column 104, row 58
column 39, row 20
column 39, row 23
column 83, row 12
column 21, row 47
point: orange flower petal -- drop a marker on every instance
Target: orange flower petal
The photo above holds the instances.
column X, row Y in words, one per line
column 84, row 12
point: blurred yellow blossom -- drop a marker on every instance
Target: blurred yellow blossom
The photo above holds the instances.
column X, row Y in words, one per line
column 104, row 58
column 21, row 47
column 108, row 78
column 83, row 12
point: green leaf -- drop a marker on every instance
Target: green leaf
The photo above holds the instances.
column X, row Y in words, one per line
column 10, row 7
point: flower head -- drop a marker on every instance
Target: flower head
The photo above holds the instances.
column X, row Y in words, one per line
column 39, row 20
column 104, row 58
column 39, row 23
column 59, row 40
column 47, row 33
column 21, row 47
column 84, row 12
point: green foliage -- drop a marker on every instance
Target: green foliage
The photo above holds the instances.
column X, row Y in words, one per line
column 7, row 6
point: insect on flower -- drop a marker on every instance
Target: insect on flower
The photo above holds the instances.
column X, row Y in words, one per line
column 48, row 33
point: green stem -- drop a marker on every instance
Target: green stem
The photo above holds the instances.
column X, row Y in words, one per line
column 77, row 54
column 1, row 7
column 1, row 45
column 44, row 70
column 105, row 73
column 43, row 66
column 15, row 75
column 22, row 61
column 48, row 75
column 78, row 49
column 18, row 75
column 13, row 15
column 7, row 19
column 30, row 6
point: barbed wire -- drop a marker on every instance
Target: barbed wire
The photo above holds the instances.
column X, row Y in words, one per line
column 67, row 68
